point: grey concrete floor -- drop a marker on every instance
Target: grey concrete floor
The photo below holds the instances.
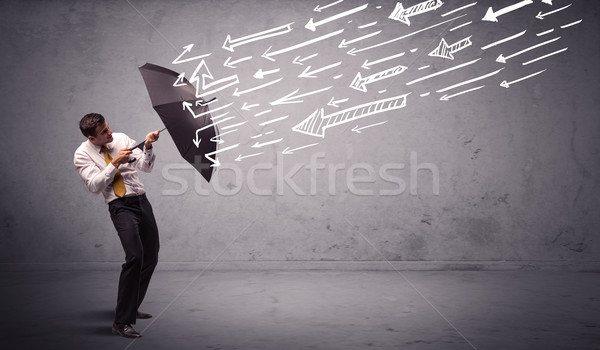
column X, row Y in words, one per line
column 308, row 310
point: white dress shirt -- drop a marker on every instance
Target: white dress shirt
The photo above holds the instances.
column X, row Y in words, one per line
column 98, row 176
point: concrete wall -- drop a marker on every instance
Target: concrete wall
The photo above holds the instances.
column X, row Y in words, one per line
column 518, row 167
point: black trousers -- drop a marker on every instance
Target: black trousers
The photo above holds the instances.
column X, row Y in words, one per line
column 134, row 220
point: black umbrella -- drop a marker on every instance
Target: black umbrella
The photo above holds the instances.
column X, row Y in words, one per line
column 192, row 135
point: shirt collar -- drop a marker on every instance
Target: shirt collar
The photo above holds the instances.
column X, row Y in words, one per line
column 98, row 149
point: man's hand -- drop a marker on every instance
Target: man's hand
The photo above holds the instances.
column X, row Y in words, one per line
column 151, row 137
column 121, row 158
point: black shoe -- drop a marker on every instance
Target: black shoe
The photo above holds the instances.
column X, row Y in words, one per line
column 142, row 315
column 125, row 330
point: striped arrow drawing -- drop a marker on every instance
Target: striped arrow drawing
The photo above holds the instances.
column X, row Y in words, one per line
column 359, row 83
column 445, row 51
column 492, row 16
column 401, row 14
column 318, row 122
column 229, row 43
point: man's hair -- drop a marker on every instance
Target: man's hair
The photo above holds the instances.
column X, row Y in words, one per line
column 89, row 123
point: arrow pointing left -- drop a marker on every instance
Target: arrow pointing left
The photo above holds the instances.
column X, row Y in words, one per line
column 313, row 25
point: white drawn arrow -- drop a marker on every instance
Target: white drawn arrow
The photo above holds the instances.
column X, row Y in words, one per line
column 357, row 129
column 259, row 145
column 260, row 74
column 273, row 120
column 215, row 160
column 293, row 98
column 189, row 107
column 492, row 16
column 503, row 40
column 318, row 122
column 318, row 8
column 186, row 50
column 503, row 59
column 541, row 15
column 229, row 63
column 545, row 56
column 359, row 83
column 345, row 42
column 238, row 93
column 311, row 74
column 180, row 81
column 240, row 157
column 445, row 51
column 269, row 55
column 207, row 83
column 443, row 71
column 229, row 43
column 197, row 140
column 313, row 25
column 367, row 64
column 401, row 14
column 217, row 138
column 247, row 107
column 287, row 150
column 448, row 97
column 334, row 103
column 299, row 60
column 354, row 51
column 549, row 2
column 470, row 80
column 507, row 84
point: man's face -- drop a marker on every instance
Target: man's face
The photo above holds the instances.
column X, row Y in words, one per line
column 103, row 135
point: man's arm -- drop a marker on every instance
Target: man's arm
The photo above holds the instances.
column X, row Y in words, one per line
column 95, row 179
column 146, row 162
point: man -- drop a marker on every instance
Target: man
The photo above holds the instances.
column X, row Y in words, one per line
column 106, row 164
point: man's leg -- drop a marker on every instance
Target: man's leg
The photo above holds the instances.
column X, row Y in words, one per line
column 150, row 242
column 126, row 218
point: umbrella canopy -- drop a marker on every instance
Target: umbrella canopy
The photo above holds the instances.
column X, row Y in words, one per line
column 192, row 135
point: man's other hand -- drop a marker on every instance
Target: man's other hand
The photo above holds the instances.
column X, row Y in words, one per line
column 151, row 137
column 122, row 157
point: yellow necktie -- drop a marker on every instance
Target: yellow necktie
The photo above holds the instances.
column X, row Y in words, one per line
column 118, row 184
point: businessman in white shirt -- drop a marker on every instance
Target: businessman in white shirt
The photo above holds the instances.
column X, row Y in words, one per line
column 108, row 163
